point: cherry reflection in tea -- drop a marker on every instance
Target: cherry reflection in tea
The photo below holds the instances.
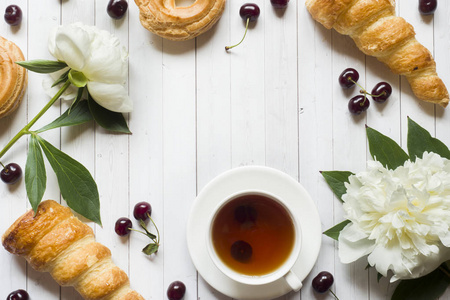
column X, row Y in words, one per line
column 253, row 235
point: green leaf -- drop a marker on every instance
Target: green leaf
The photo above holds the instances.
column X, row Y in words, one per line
column 336, row 180
column 35, row 175
column 63, row 78
column 107, row 119
column 150, row 249
column 334, row 231
column 148, row 233
column 77, row 100
column 42, row 66
column 80, row 114
column 385, row 150
column 428, row 287
column 77, row 186
column 420, row 140
column 77, row 78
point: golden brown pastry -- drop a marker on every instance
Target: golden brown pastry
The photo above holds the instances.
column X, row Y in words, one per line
column 179, row 23
column 13, row 78
column 376, row 30
column 56, row 241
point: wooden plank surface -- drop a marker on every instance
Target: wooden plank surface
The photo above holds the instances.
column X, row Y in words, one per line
column 200, row 111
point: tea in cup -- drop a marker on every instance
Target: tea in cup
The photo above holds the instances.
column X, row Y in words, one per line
column 254, row 239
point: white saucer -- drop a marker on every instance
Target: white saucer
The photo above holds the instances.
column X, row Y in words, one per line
column 247, row 178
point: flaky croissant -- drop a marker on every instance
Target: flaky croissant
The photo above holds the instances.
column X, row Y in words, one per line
column 377, row 32
column 56, row 241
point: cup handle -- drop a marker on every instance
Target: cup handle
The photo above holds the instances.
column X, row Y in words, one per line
column 293, row 281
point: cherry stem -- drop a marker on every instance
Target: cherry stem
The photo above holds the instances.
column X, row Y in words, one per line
column 27, row 127
column 147, row 232
column 156, row 227
column 365, row 98
column 363, row 90
column 336, row 297
column 245, row 33
column 2, row 165
column 142, row 233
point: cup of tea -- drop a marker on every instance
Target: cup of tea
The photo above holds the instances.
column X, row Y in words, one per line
column 254, row 239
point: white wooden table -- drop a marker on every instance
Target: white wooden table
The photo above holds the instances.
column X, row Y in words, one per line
column 200, row 111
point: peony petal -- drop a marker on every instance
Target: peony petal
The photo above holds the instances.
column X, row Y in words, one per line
column 71, row 44
column 353, row 244
column 108, row 60
column 52, row 42
column 113, row 97
column 384, row 259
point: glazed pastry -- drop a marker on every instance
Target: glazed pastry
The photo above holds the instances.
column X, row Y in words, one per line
column 163, row 18
column 13, row 78
column 56, row 241
column 376, row 30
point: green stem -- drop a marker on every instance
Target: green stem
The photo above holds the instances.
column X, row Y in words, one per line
column 139, row 232
column 155, row 227
column 363, row 90
column 27, row 127
column 245, row 33
column 336, row 297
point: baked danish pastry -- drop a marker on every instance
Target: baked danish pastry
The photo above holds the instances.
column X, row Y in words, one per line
column 13, row 78
column 165, row 19
column 55, row 241
column 377, row 32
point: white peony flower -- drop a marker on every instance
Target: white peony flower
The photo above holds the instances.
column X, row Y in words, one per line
column 399, row 218
column 100, row 57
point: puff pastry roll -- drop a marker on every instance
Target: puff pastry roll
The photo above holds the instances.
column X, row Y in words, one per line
column 56, row 241
column 377, row 32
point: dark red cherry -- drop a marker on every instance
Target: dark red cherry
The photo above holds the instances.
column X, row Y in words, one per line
column 11, row 173
column 249, row 11
column 279, row 3
column 142, row 211
column 18, row 295
column 116, row 9
column 176, row 290
column 123, row 226
column 381, row 92
column 427, row 7
column 358, row 104
column 13, row 15
column 322, row 282
column 241, row 251
column 348, row 78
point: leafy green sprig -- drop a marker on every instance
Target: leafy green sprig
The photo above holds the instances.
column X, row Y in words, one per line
column 76, row 184
column 391, row 155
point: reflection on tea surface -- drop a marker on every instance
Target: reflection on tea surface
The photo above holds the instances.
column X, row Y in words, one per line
column 253, row 235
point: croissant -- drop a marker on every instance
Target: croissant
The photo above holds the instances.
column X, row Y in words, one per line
column 13, row 78
column 377, row 32
column 55, row 241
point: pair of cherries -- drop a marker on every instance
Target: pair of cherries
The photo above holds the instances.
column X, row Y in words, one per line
column 250, row 12
column 358, row 104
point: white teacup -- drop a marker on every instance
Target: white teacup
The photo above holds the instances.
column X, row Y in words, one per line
column 283, row 271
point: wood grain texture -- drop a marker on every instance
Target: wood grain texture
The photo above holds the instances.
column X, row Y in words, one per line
column 200, row 111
